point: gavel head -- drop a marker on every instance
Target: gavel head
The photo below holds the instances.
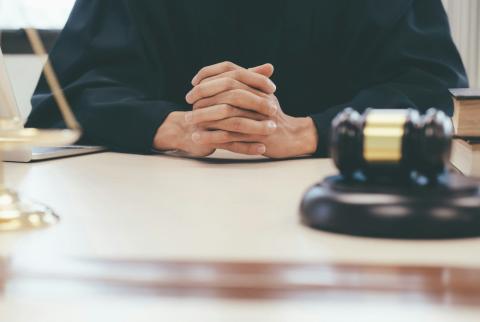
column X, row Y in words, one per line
column 391, row 142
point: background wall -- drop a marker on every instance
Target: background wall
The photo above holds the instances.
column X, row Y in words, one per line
column 43, row 14
column 465, row 23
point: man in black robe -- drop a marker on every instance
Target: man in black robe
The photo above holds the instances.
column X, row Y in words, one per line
column 145, row 75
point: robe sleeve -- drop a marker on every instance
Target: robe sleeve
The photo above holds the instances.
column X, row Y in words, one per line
column 396, row 54
column 116, row 89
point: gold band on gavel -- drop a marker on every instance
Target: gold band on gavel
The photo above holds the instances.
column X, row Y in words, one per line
column 383, row 136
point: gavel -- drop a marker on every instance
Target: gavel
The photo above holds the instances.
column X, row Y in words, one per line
column 393, row 181
column 391, row 143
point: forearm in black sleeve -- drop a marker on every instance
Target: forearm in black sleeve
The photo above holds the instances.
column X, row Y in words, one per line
column 114, row 89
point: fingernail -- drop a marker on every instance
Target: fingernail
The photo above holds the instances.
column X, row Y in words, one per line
column 196, row 137
column 189, row 117
column 261, row 149
column 189, row 97
column 272, row 125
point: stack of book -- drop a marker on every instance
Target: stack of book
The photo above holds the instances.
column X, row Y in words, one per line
column 466, row 121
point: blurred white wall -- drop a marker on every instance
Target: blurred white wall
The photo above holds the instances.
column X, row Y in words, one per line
column 42, row 14
column 465, row 23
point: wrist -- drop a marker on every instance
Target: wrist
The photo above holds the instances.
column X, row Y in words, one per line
column 169, row 133
column 307, row 136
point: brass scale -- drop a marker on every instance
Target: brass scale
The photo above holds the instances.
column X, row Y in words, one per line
column 18, row 212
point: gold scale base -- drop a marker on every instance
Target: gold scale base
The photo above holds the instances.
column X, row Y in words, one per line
column 19, row 213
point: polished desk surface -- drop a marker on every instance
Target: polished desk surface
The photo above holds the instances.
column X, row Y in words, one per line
column 227, row 231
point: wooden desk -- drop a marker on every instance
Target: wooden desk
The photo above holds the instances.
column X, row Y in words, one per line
column 162, row 232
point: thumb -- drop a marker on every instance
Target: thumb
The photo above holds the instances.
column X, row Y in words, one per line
column 265, row 70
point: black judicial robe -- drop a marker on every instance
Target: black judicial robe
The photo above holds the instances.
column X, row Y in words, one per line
column 126, row 64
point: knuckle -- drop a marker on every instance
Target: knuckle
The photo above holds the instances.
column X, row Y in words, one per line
column 264, row 82
column 266, row 105
column 226, row 110
column 199, row 90
column 225, row 136
column 265, row 129
column 228, row 65
column 237, row 124
column 237, row 74
column 237, row 92
column 232, row 95
column 229, row 83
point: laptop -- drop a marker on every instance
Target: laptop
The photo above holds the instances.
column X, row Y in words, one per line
column 10, row 109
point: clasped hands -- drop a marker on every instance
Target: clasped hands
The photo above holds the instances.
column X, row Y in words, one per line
column 236, row 109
